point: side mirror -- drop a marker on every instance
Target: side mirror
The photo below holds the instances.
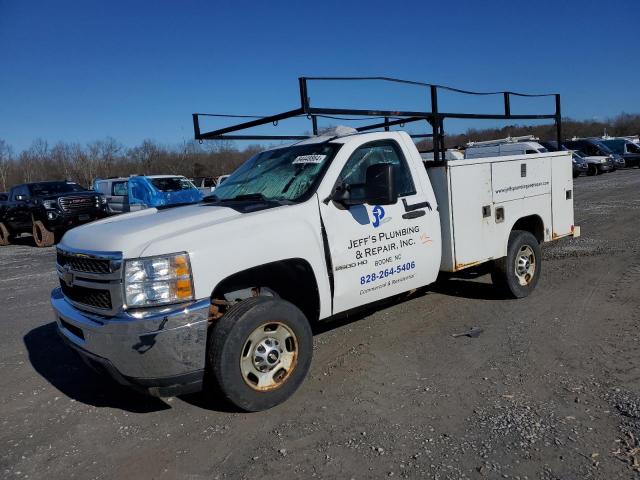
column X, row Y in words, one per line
column 342, row 195
column 21, row 198
column 380, row 185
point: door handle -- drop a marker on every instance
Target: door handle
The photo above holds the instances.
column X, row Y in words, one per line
column 413, row 214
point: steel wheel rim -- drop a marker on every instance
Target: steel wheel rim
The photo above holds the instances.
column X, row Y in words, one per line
column 269, row 356
column 525, row 265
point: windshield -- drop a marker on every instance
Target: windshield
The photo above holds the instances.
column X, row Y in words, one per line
column 54, row 188
column 285, row 174
column 606, row 150
column 172, row 184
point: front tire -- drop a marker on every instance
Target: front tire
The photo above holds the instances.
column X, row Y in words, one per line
column 41, row 235
column 5, row 236
column 517, row 274
column 260, row 352
column 592, row 170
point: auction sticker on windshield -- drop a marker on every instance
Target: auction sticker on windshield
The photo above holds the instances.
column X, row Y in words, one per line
column 315, row 159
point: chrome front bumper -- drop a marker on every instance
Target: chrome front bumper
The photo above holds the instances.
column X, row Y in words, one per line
column 161, row 352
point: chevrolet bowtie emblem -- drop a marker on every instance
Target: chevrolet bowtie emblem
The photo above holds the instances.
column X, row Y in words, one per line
column 67, row 276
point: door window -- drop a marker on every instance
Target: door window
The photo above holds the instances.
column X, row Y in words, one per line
column 119, row 189
column 354, row 172
column 22, row 190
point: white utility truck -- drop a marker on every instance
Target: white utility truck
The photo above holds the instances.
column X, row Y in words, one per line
column 222, row 295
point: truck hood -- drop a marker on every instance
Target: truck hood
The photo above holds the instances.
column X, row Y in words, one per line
column 56, row 196
column 132, row 233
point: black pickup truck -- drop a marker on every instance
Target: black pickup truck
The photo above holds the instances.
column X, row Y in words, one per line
column 47, row 210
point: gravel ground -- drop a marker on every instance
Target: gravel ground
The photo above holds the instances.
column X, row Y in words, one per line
column 549, row 390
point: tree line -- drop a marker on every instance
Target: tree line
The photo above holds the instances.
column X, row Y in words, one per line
column 109, row 158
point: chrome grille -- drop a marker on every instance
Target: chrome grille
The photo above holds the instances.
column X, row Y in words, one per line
column 77, row 204
column 87, row 296
column 91, row 281
column 83, row 264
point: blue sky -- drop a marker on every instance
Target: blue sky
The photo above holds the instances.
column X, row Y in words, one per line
column 84, row 70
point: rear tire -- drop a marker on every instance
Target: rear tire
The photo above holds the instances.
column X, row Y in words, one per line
column 5, row 236
column 517, row 274
column 259, row 353
column 41, row 235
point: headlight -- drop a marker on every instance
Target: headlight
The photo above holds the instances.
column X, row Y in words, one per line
column 158, row 280
column 49, row 204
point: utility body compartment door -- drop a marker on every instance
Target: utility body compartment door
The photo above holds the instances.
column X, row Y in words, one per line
column 377, row 251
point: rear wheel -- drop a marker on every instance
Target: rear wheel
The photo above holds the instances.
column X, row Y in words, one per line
column 518, row 273
column 5, row 236
column 41, row 235
column 260, row 352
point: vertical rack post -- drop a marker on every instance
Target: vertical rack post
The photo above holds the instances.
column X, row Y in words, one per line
column 558, row 122
column 304, row 98
column 507, row 104
column 435, row 122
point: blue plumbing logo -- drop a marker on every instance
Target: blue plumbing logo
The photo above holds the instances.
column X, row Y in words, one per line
column 378, row 215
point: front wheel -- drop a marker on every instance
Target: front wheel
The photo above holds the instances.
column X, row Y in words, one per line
column 5, row 236
column 260, row 352
column 592, row 170
column 42, row 235
column 518, row 273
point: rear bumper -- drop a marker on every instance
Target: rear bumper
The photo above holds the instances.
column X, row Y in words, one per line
column 160, row 353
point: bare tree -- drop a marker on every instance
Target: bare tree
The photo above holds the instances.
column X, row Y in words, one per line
column 6, row 157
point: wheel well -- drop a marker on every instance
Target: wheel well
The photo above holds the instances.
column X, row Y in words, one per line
column 532, row 224
column 292, row 280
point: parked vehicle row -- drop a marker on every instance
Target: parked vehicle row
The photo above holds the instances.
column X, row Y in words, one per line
column 591, row 156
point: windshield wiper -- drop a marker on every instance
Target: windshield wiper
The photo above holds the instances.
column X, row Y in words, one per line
column 246, row 196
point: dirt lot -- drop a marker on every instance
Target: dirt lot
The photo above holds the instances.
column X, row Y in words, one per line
column 549, row 390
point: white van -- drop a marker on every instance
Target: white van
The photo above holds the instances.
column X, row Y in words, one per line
column 449, row 154
column 501, row 148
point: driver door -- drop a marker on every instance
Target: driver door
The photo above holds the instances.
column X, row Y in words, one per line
column 380, row 250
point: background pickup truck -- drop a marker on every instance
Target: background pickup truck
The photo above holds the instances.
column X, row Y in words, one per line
column 298, row 234
column 47, row 210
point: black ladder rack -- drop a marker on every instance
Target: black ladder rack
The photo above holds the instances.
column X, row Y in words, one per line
column 390, row 118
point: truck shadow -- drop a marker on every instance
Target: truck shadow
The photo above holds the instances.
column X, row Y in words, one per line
column 463, row 284
column 66, row 371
